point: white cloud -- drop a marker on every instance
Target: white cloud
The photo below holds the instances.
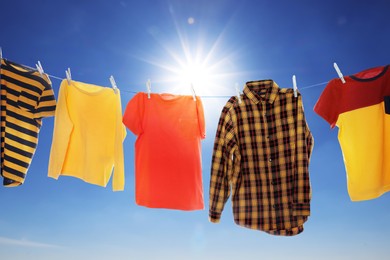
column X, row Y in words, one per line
column 25, row 243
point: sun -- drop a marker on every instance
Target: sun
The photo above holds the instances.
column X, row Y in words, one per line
column 196, row 73
column 198, row 67
column 192, row 58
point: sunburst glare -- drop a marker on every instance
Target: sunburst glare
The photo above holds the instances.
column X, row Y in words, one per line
column 193, row 58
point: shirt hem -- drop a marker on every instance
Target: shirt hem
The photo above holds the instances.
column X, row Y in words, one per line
column 293, row 231
column 80, row 178
column 170, row 207
column 370, row 196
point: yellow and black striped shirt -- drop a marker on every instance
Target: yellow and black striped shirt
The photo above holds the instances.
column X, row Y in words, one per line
column 26, row 97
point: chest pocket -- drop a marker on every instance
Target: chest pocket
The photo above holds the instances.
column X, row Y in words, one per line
column 27, row 102
column 387, row 105
column 286, row 135
column 285, row 127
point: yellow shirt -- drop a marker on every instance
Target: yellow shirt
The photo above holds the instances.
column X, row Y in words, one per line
column 360, row 111
column 88, row 135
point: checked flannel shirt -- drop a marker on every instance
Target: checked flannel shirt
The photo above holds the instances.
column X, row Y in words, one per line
column 261, row 156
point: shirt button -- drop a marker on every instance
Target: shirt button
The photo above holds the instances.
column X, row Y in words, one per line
column 270, row 159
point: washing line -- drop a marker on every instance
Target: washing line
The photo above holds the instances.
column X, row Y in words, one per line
column 134, row 92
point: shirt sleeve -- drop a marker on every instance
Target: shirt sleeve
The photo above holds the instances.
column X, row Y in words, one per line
column 201, row 120
column 134, row 114
column 328, row 103
column 304, row 146
column 221, row 169
column 118, row 182
column 47, row 103
column 63, row 127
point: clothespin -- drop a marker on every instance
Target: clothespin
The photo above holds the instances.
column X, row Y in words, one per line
column 39, row 68
column 294, row 79
column 113, row 84
column 193, row 92
column 238, row 94
column 149, row 87
column 68, row 75
column 339, row 72
column 41, row 71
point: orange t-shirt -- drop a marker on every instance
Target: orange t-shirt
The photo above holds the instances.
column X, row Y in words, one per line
column 168, row 168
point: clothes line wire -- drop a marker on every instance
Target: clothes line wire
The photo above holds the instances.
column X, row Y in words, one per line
column 135, row 92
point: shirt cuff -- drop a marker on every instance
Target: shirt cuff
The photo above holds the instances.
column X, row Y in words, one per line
column 214, row 217
column 301, row 209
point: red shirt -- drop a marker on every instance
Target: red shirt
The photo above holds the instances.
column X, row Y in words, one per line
column 359, row 108
column 168, row 170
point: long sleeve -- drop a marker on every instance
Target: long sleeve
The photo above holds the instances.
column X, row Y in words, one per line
column 61, row 134
column 304, row 146
column 118, row 182
column 221, row 170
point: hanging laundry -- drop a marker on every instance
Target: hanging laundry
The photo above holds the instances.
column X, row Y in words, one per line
column 261, row 156
column 88, row 135
column 358, row 109
column 26, row 98
column 168, row 171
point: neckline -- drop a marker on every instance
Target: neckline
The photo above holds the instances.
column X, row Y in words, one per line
column 172, row 97
column 380, row 74
column 272, row 89
column 19, row 67
column 78, row 85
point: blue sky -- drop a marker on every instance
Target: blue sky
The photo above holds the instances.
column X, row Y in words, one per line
column 236, row 41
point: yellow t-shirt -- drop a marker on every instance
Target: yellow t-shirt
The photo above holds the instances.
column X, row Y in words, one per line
column 88, row 135
column 361, row 110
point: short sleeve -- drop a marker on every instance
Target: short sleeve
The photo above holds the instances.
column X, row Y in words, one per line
column 201, row 120
column 133, row 116
column 328, row 104
column 46, row 104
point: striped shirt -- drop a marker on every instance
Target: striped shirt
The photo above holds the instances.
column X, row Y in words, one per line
column 26, row 97
column 261, row 156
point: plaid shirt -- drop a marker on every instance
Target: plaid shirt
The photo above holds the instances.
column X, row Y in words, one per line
column 261, row 155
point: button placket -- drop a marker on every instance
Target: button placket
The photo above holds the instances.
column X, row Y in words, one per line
column 275, row 202
column 268, row 159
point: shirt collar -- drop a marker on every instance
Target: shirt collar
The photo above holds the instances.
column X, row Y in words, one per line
column 252, row 89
